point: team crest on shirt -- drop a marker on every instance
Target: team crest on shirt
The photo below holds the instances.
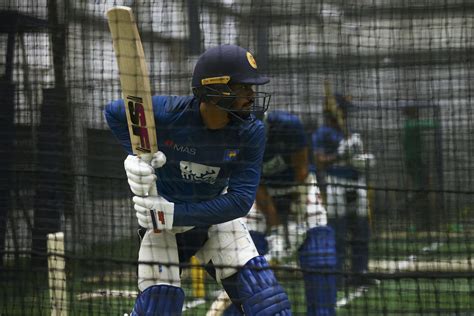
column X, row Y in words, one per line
column 198, row 173
column 231, row 154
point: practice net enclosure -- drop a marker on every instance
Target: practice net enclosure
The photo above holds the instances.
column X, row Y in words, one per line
column 68, row 231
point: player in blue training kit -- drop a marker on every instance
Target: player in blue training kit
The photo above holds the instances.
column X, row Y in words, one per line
column 207, row 173
column 285, row 168
column 341, row 160
column 287, row 187
column 289, row 190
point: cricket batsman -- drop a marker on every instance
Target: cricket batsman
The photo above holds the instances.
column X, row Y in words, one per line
column 339, row 155
column 207, row 173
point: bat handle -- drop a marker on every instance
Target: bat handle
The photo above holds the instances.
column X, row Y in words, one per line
column 152, row 192
column 147, row 158
column 155, row 225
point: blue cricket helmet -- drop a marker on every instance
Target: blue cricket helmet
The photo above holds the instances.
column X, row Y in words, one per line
column 224, row 65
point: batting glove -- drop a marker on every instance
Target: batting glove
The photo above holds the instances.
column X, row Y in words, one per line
column 350, row 146
column 141, row 174
column 362, row 161
column 154, row 212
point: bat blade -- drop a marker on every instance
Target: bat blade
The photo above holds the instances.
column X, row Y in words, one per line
column 331, row 106
column 134, row 80
column 135, row 83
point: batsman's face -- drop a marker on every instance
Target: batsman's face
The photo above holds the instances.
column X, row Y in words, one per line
column 245, row 96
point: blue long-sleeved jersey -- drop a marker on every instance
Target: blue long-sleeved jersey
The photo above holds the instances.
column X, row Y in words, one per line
column 201, row 162
column 285, row 136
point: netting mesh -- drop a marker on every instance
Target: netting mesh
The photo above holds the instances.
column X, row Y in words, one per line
column 406, row 64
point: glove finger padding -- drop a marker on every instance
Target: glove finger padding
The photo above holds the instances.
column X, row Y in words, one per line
column 135, row 165
column 141, row 211
column 148, row 179
column 141, row 188
column 163, row 211
column 144, row 217
column 145, row 203
column 141, row 176
column 158, row 160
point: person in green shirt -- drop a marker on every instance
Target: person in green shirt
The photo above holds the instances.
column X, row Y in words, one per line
column 417, row 164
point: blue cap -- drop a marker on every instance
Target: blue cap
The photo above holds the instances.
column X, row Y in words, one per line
column 226, row 64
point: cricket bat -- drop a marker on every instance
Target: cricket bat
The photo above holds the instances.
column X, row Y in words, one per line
column 331, row 105
column 135, row 83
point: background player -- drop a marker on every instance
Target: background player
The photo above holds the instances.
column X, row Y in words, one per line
column 209, row 142
column 340, row 157
column 288, row 193
column 284, row 172
column 421, row 204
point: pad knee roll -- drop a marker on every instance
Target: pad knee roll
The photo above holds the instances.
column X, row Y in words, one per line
column 159, row 300
column 318, row 260
column 257, row 291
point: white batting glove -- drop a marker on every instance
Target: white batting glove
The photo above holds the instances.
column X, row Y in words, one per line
column 362, row 161
column 350, row 146
column 141, row 174
column 154, row 212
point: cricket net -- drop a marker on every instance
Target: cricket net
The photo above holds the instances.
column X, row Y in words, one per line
column 407, row 65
